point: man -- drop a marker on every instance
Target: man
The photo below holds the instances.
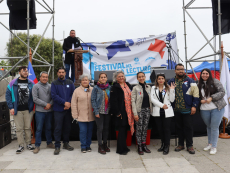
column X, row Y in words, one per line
column 61, row 92
column 20, row 102
column 186, row 101
column 69, row 44
column 43, row 102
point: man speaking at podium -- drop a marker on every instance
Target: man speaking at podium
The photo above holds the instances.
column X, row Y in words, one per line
column 70, row 43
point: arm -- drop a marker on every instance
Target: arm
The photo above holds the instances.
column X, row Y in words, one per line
column 172, row 95
column 155, row 101
column 8, row 97
column 114, row 102
column 65, row 46
column 133, row 99
column 220, row 91
column 74, row 108
column 55, row 97
column 93, row 101
column 36, row 99
column 72, row 91
column 195, row 94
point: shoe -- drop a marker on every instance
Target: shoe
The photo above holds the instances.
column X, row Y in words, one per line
column 20, row 150
column 56, row 151
column 191, row 150
column 179, row 148
column 106, row 148
column 36, row 150
column 124, row 153
column 51, row 145
column 67, row 147
column 140, row 150
column 208, row 147
column 101, row 149
column 88, row 149
column 83, row 150
column 166, row 150
column 30, row 147
column 145, row 149
column 161, row 148
column 213, row 150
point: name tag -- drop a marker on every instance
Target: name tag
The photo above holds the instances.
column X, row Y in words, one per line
column 67, row 86
column 85, row 89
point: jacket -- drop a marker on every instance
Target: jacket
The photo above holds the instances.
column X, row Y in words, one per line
column 61, row 92
column 190, row 92
column 81, row 106
column 12, row 95
column 96, row 98
column 168, row 98
column 137, row 98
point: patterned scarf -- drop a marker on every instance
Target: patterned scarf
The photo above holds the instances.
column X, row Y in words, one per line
column 105, row 89
column 128, row 106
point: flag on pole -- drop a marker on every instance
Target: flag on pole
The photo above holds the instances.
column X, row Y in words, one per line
column 32, row 74
column 225, row 80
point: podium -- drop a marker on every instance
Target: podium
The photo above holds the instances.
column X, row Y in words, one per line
column 78, row 64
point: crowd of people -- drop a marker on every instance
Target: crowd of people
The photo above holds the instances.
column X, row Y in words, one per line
column 131, row 108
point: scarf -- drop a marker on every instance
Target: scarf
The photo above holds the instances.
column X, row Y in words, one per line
column 105, row 89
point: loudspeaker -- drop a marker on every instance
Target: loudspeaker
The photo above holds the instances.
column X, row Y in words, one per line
column 169, row 74
column 4, row 113
column 5, row 134
column 109, row 75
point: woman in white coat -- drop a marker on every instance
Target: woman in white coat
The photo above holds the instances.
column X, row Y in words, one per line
column 161, row 96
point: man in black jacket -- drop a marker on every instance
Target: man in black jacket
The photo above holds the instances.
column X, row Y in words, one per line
column 69, row 44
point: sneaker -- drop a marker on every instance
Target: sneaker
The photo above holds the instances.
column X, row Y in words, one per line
column 213, row 150
column 36, row 150
column 56, row 151
column 179, row 148
column 191, row 150
column 30, row 147
column 208, row 147
column 19, row 150
column 67, row 147
column 83, row 150
column 51, row 145
column 88, row 149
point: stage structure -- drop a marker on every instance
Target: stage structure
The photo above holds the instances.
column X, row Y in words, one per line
column 43, row 61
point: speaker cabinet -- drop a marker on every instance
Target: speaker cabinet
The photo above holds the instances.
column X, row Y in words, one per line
column 4, row 113
column 5, row 134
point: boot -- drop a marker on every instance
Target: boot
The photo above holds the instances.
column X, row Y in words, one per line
column 161, row 148
column 101, row 149
column 166, row 150
column 145, row 149
column 67, row 147
column 56, row 151
column 140, row 150
column 106, row 148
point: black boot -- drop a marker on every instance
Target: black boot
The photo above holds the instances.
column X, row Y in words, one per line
column 101, row 149
column 161, row 148
column 106, row 148
column 140, row 150
column 166, row 149
column 145, row 149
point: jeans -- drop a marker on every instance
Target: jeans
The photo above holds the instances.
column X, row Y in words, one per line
column 41, row 118
column 212, row 119
column 67, row 68
column 85, row 134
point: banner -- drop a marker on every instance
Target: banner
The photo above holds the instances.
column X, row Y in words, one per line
column 132, row 55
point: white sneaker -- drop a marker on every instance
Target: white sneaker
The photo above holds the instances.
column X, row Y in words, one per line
column 208, row 147
column 213, row 150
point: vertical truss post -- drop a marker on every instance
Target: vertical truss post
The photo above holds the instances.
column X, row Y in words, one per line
column 185, row 41
column 28, row 30
column 53, row 42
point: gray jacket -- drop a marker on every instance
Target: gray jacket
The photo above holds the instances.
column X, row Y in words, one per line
column 137, row 99
column 41, row 96
column 218, row 97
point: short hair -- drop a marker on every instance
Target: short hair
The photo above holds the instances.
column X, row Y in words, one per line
column 85, row 75
column 102, row 73
column 140, row 73
column 179, row 65
column 61, row 68
column 22, row 67
column 43, row 73
column 116, row 73
column 71, row 30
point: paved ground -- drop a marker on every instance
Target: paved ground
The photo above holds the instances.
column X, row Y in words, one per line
column 91, row 162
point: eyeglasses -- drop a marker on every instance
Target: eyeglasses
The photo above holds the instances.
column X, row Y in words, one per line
column 180, row 69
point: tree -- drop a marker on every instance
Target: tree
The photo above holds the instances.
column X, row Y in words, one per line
column 3, row 63
column 16, row 48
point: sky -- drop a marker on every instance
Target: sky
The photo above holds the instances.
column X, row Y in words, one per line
column 106, row 20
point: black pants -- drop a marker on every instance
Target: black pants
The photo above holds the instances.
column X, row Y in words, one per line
column 102, row 127
column 163, row 126
column 62, row 126
column 184, row 128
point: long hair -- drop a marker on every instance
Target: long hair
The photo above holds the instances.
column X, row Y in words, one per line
column 165, row 83
column 209, row 88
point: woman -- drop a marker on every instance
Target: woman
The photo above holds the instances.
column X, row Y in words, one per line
column 141, row 107
column 120, row 102
column 100, row 103
column 82, row 112
column 212, row 107
column 161, row 96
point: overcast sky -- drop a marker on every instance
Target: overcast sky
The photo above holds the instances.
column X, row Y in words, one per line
column 107, row 20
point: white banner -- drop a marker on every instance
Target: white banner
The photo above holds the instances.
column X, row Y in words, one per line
column 132, row 55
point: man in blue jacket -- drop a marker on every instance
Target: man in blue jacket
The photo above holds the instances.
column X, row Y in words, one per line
column 61, row 92
column 20, row 102
column 186, row 101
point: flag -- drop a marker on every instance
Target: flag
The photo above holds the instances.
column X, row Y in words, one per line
column 32, row 74
column 224, row 79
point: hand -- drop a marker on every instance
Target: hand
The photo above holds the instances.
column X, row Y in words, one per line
column 48, row 106
column 193, row 110
column 172, row 86
column 98, row 116
column 118, row 115
column 136, row 118
column 67, row 105
column 70, row 50
column 209, row 100
column 165, row 106
column 203, row 101
column 12, row 111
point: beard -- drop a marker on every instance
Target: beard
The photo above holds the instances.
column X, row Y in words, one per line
column 24, row 76
column 62, row 77
column 180, row 75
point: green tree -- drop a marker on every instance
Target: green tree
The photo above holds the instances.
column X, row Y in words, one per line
column 3, row 63
column 16, row 48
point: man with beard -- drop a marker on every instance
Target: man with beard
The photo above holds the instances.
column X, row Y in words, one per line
column 20, row 102
column 61, row 92
column 69, row 44
column 186, row 101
